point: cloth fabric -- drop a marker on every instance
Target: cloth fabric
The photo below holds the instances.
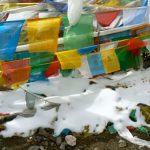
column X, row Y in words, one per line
column 53, row 69
column 80, row 35
column 69, row 59
column 39, row 62
column 43, row 34
column 110, row 61
column 126, row 59
column 10, row 33
column 106, row 18
column 95, row 64
column 87, row 50
column 17, row 71
column 134, row 16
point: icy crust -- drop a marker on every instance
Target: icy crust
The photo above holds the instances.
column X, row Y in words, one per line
column 84, row 104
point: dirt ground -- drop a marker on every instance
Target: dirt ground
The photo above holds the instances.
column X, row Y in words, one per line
column 43, row 140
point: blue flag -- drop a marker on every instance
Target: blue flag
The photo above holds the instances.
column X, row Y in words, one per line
column 87, row 50
column 95, row 64
column 144, row 2
column 134, row 16
column 61, row 7
column 9, row 37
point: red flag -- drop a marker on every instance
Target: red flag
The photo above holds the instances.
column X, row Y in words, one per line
column 106, row 18
column 135, row 44
column 53, row 69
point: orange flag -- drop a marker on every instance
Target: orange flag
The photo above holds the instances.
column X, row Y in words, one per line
column 15, row 72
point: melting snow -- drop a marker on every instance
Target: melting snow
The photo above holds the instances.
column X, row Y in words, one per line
column 83, row 104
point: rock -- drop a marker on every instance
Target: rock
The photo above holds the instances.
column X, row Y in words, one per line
column 36, row 148
column 42, row 131
column 122, row 143
column 38, row 139
column 62, row 146
column 81, row 147
column 96, row 148
column 1, row 142
column 58, row 140
column 52, row 144
column 70, row 140
column 45, row 144
column 4, row 148
column 30, row 140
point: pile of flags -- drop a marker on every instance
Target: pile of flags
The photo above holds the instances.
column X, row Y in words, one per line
column 80, row 50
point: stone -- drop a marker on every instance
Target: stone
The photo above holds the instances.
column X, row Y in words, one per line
column 36, row 148
column 58, row 140
column 45, row 143
column 63, row 146
column 4, row 148
column 70, row 140
column 1, row 142
column 96, row 148
column 122, row 143
column 42, row 131
column 52, row 144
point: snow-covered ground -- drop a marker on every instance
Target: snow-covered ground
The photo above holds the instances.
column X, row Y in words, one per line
column 81, row 104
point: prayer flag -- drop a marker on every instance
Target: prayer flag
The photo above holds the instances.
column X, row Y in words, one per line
column 9, row 37
column 106, row 18
column 15, row 72
column 43, row 34
column 69, row 59
column 134, row 16
column 95, row 64
column 126, row 59
column 79, row 35
column 110, row 60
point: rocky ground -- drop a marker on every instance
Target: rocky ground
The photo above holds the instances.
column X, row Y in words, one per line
column 43, row 140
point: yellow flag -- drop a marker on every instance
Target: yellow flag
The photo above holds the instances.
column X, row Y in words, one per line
column 69, row 59
column 43, row 34
column 113, row 3
column 110, row 61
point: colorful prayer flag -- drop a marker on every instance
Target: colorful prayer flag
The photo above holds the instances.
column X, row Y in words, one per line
column 15, row 72
column 134, row 16
column 79, row 35
column 134, row 45
column 53, row 69
column 43, row 34
column 126, row 59
column 110, row 60
column 69, row 59
column 39, row 62
column 37, row 77
column 85, row 68
column 9, row 37
column 106, row 18
column 95, row 64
